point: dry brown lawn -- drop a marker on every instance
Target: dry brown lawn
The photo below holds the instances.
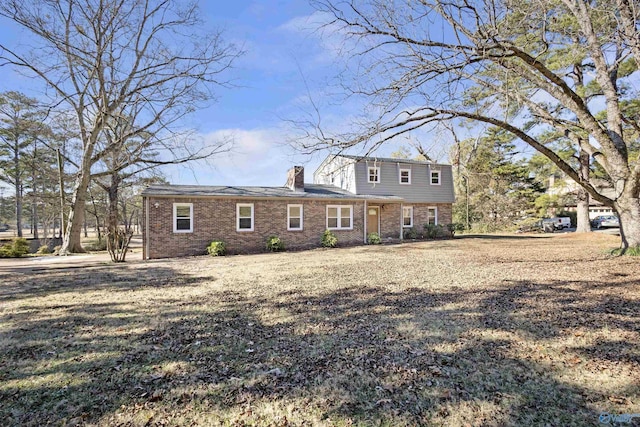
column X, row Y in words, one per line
column 488, row 331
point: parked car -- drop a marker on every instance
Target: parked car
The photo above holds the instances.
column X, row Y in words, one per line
column 4, row 227
column 605, row 221
column 556, row 223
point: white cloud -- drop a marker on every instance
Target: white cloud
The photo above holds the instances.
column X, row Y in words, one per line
column 259, row 157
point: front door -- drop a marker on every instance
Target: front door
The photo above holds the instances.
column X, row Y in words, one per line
column 373, row 219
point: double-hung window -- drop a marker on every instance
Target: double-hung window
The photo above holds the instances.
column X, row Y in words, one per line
column 183, row 217
column 432, row 216
column 244, row 217
column 340, row 217
column 405, row 176
column 374, row 174
column 294, row 217
column 435, row 177
column 407, row 216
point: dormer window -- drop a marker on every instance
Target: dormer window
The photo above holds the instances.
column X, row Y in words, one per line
column 405, row 176
column 374, row 174
column 435, row 177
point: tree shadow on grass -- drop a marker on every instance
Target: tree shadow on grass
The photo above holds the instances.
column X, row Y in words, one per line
column 361, row 355
column 108, row 278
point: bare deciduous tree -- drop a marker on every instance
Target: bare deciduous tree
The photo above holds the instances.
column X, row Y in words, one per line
column 148, row 59
column 525, row 67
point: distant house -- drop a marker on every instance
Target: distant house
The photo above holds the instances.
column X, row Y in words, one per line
column 351, row 196
column 568, row 189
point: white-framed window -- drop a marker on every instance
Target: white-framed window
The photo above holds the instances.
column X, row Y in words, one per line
column 294, row 217
column 407, row 216
column 244, row 216
column 435, row 177
column 340, row 217
column 374, row 174
column 183, row 217
column 432, row 215
column 405, row 176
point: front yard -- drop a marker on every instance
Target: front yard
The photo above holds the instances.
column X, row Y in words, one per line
column 474, row 331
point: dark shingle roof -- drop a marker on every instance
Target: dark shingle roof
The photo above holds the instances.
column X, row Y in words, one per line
column 311, row 191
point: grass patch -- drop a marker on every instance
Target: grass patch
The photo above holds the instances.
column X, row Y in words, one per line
column 631, row 251
column 485, row 331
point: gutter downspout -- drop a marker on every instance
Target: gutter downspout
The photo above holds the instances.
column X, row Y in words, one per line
column 145, row 236
column 364, row 231
column 401, row 221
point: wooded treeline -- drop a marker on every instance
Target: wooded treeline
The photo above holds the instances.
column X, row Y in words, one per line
column 119, row 77
column 38, row 152
column 500, row 186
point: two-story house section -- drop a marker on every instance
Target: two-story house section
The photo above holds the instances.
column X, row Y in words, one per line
column 423, row 190
column 351, row 196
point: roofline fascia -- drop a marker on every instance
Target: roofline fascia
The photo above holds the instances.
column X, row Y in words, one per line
column 331, row 199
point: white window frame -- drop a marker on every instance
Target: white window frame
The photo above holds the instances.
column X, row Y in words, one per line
column 438, row 174
column 289, row 228
column 435, row 208
column 400, row 176
column 339, row 209
column 244, row 205
column 175, row 217
column 410, row 208
column 377, row 174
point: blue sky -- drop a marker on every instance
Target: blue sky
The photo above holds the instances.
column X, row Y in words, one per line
column 286, row 61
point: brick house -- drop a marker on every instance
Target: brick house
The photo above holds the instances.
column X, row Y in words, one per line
column 351, row 196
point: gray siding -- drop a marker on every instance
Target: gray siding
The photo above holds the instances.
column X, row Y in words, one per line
column 419, row 191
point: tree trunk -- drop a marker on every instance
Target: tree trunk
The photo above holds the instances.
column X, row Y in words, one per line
column 72, row 237
column 112, row 215
column 35, row 220
column 18, row 208
column 628, row 208
column 97, row 217
column 117, row 240
column 583, row 223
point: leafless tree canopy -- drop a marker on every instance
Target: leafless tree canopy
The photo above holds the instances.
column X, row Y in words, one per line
column 522, row 66
column 141, row 65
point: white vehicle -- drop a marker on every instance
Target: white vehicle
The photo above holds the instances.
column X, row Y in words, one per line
column 558, row 223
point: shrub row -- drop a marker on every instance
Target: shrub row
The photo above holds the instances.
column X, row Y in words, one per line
column 274, row 244
column 329, row 240
column 433, row 231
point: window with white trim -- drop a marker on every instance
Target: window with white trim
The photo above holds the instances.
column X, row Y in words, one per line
column 407, row 216
column 244, row 217
column 432, row 216
column 374, row 174
column 294, row 217
column 435, row 177
column 183, row 217
column 339, row 217
column 405, row 176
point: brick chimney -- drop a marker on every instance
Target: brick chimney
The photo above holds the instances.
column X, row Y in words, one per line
column 295, row 178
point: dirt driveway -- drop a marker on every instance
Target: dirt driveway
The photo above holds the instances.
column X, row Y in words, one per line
column 47, row 262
